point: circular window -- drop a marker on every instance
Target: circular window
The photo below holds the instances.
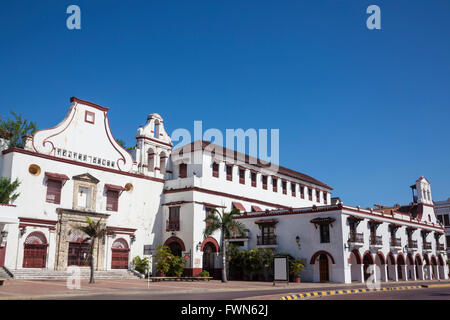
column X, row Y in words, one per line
column 34, row 170
column 129, row 187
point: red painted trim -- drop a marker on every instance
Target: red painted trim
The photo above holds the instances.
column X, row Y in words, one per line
column 441, row 260
column 420, row 259
column 369, row 254
column 357, row 256
column 21, row 225
column 381, row 256
column 154, row 140
column 426, row 259
column 7, row 205
column 90, row 114
column 81, row 164
column 32, row 220
column 211, row 240
column 228, row 195
column 87, row 103
column 177, row 240
column 400, row 255
column 37, row 232
column 121, row 229
column 390, row 257
column 318, row 253
column 434, row 260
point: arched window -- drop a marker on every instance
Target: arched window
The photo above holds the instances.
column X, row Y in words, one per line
column 151, row 160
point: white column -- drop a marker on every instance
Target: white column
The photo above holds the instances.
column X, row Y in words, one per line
column 405, row 272
column 384, row 272
column 361, row 274
column 436, row 272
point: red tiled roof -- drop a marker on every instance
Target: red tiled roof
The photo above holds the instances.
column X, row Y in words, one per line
column 238, row 206
column 253, row 161
column 56, row 176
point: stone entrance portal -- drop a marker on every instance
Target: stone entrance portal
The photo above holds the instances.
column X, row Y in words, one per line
column 69, row 248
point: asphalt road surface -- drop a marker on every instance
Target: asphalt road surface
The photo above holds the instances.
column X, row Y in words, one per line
column 415, row 294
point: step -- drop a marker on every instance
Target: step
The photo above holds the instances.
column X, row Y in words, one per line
column 84, row 274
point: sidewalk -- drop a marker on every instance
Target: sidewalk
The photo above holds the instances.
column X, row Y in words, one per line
column 45, row 289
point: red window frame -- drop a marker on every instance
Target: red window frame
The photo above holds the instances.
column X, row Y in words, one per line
column 215, row 169
column 242, row 176
column 325, row 197
column 53, row 189
column 302, row 192
column 88, row 113
column 293, row 185
column 310, row 194
column 229, row 169
column 183, row 170
column 112, row 200
column 253, row 177
column 274, row 185
column 264, row 182
column 284, row 186
column 317, row 195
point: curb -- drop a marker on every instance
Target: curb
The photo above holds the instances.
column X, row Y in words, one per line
column 347, row 291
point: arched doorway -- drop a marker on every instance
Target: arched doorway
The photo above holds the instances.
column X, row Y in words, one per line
column 35, row 251
column 209, row 254
column 441, row 267
column 367, row 261
column 120, row 253
column 434, row 267
column 78, row 249
column 355, row 265
column 418, row 267
column 427, row 267
column 175, row 245
column 391, row 266
column 380, row 262
column 410, row 267
column 400, row 264
column 323, row 268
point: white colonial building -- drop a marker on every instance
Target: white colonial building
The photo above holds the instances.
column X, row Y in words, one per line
column 160, row 195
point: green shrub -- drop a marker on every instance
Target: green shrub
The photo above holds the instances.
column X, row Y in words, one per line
column 140, row 265
column 204, row 273
column 163, row 258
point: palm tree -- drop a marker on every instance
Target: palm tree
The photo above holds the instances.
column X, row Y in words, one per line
column 227, row 225
column 94, row 230
column 7, row 189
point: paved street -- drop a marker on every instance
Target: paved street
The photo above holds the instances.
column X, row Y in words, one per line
column 212, row 290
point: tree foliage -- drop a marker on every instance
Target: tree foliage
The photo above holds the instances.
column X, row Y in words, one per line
column 7, row 189
column 18, row 127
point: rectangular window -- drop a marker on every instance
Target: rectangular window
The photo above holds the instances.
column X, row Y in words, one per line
column 293, row 189
column 317, row 195
column 215, row 170
column 253, row 174
column 446, row 220
column 84, row 197
column 112, row 200
column 229, row 172
column 310, row 194
column 302, row 192
column 241, row 176
column 275, row 184
column 284, row 186
column 441, row 220
column 264, row 182
column 183, row 170
column 208, row 213
column 174, row 219
column 54, row 191
column 325, row 197
column 324, row 233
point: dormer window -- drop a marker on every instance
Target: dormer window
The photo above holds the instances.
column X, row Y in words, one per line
column 89, row 117
column 84, row 197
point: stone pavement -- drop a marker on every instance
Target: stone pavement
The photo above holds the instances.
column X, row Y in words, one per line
column 53, row 289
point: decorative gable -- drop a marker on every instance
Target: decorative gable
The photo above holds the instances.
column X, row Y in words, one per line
column 84, row 136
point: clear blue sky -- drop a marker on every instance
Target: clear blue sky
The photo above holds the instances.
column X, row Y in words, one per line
column 367, row 112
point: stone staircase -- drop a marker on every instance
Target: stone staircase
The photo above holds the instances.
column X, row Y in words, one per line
column 42, row 274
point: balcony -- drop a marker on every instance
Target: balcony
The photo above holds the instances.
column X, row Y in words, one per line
column 266, row 240
column 239, row 236
column 396, row 243
column 440, row 247
column 412, row 245
column 376, row 241
column 172, row 225
column 427, row 246
column 356, row 240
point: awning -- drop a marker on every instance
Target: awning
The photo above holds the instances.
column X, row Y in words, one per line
column 256, row 209
column 114, row 187
column 56, row 176
column 239, row 206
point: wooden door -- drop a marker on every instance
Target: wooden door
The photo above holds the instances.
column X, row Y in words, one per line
column 119, row 259
column 78, row 254
column 323, row 268
column 35, row 255
column 2, row 255
column 208, row 258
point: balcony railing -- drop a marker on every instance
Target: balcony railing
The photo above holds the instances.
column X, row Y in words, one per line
column 376, row 240
column 427, row 245
column 356, row 238
column 243, row 235
column 172, row 225
column 266, row 240
column 412, row 244
column 396, row 242
column 440, row 247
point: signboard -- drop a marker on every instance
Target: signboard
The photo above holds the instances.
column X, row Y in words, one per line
column 280, row 269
